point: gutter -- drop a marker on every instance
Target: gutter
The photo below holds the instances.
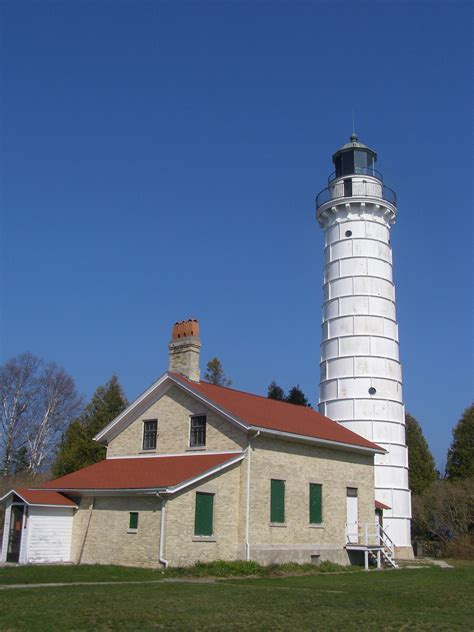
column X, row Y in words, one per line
column 317, row 441
column 161, row 559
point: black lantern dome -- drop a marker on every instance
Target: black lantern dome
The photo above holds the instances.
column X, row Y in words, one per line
column 355, row 158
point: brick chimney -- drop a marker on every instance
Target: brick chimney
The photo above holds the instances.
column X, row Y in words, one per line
column 184, row 349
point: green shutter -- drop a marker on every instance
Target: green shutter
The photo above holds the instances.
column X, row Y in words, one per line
column 203, row 518
column 277, row 501
column 133, row 523
column 315, row 503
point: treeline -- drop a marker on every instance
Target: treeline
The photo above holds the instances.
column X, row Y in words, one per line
column 45, row 426
column 443, row 503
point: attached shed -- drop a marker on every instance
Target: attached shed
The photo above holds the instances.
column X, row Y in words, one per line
column 38, row 526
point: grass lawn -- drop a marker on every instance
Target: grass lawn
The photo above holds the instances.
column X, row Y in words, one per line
column 421, row 599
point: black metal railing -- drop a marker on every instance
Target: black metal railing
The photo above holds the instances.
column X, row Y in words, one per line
column 358, row 171
column 357, row 190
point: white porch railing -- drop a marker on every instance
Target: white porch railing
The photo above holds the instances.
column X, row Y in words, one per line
column 372, row 538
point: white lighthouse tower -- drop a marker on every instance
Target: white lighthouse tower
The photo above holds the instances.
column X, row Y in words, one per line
column 361, row 379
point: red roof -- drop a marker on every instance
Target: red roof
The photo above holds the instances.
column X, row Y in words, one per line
column 43, row 497
column 158, row 472
column 255, row 410
column 379, row 505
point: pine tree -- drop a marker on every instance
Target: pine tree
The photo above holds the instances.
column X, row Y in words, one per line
column 460, row 463
column 77, row 449
column 275, row 392
column 422, row 469
column 215, row 373
column 296, row 396
column 20, row 460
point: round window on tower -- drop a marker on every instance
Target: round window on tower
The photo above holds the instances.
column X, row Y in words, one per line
column 372, row 390
column 348, row 233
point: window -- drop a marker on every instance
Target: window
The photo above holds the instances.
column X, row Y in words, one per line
column 277, row 501
column 150, row 427
column 133, row 521
column 204, row 514
column 315, row 503
column 197, row 431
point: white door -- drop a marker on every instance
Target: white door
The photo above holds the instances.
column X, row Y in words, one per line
column 352, row 516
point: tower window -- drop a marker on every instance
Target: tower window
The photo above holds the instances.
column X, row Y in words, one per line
column 372, row 390
column 348, row 233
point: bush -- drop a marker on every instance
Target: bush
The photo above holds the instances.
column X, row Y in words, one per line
column 242, row 568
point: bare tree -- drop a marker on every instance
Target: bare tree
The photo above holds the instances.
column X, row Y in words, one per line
column 55, row 405
column 17, row 389
column 38, row 403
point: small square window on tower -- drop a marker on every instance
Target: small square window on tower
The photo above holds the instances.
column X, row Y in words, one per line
column 150, row 431
column 197, row 431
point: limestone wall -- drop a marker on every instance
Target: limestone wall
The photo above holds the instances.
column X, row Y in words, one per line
column 173, row 411
column 182, row 548
column 108, row 540
column 299, row 465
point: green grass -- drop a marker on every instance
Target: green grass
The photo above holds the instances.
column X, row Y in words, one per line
column 422, row 599
column 69, row 573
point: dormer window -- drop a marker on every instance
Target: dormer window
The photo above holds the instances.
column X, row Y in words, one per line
column 150, row 428
column 197, row 431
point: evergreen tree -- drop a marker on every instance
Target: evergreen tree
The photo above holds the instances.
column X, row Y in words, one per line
column 215, row 373
column 20, row 460
column 422, row 469
column 275, row 392
column 296, row 396
column 77, row 449
column 460, row 463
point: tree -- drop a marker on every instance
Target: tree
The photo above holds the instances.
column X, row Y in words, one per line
column 445, row 511
column 215, row 373
column 296, row 396
column 20, row 461
column 422, row 468
column 38, row 401
column 275, row 392
column 460, row 462
column 77, row 448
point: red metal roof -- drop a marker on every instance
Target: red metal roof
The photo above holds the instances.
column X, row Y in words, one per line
column 379, row 505
column 272, row 414
column 140, row 473
column 43, row 497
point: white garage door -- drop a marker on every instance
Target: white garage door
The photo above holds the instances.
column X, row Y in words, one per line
column 49, row 534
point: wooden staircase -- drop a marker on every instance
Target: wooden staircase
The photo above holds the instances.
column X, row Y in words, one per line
column 373, row 541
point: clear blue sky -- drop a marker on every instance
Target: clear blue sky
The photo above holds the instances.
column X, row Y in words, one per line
column 160, row 160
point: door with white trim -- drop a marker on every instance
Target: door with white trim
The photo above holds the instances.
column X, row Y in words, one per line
column 352, row 519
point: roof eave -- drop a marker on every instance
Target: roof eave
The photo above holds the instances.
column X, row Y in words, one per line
column 327, row 443
column 172, row 489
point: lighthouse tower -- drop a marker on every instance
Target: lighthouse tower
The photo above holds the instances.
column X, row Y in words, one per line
column 361, row 379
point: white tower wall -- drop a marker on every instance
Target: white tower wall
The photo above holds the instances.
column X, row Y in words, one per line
column 360, row 349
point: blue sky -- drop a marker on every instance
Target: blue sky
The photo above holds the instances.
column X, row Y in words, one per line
column 159, row 160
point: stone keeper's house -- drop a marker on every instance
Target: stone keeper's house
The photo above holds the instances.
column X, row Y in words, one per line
column 201, row 472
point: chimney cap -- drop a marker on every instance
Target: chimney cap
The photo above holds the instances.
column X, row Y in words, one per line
column 185, row 329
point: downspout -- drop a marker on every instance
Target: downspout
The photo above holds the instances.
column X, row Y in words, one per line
column 161, row 559
column 247, row 519
column 86, row 531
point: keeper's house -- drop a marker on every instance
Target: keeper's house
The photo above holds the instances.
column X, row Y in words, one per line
column 199, row 472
